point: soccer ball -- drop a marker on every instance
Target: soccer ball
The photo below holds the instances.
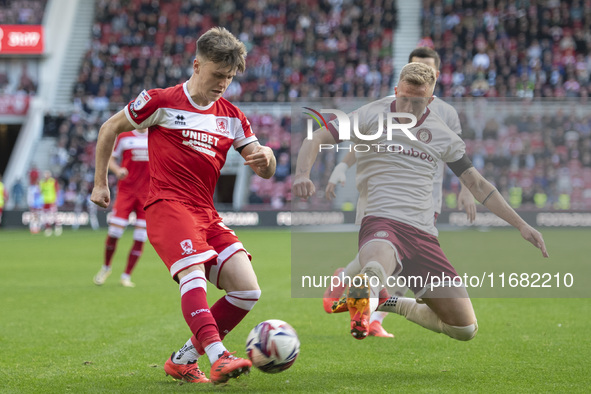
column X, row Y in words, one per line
column 272, row 346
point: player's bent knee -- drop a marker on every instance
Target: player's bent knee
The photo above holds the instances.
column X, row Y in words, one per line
column 245, row 299
column 464, row 333
column 115, row 231
column 140, row 234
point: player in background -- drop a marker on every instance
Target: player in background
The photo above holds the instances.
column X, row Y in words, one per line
column 33, row 175
column 450, row 116
column 191, row 128
column 49, row 189
column 35, row 203
column 83, row 201
column 131, row 150
column 397, row 234
column 3, row 197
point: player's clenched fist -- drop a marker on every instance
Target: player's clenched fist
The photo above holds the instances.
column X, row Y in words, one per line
column 122, row 173
column 101, row 196
column 303, row 187
column 260, row 157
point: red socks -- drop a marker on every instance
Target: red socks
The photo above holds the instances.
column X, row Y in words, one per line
column 134, row 255
column 110, row 246
column 228, row 311
column 195, row 309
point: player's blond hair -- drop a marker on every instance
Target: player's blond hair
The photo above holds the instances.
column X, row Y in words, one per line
column 418, row 74
column 220, row 46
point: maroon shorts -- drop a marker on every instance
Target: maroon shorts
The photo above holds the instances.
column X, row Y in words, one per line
column 418, row 253
column 124, row 205
column 184, row 235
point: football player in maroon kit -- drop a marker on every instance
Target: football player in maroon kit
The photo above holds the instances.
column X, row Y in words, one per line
column 397, row 234
column 191, row 128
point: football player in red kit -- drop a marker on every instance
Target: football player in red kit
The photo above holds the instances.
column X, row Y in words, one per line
column 191, row 128
column 129, row 162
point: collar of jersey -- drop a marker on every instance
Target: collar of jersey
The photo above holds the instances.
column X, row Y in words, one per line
column 194, row 104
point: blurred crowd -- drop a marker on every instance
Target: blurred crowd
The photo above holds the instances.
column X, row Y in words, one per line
column 19, row 76
column 516, row 48
column 22, row 12
column 295, row 48
column 72, row 158
column 519, row 49
column 536, row 161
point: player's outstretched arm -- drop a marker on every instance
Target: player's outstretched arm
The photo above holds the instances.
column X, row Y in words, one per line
column 302, row 185
column 338, row 174
column 466, row 202
column 260, row 158
column 108, row 133
column 489, row 196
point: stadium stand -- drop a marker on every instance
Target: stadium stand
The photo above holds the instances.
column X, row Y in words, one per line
column 333, row 48
column 495, row 49
column 510, row 49
column 536, row 160
column 22, row 12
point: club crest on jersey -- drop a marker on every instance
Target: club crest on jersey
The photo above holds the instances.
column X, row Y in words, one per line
column 424, row 135
column 222, row 126
column 141, row 100
column 381, row 234
column 187, row 246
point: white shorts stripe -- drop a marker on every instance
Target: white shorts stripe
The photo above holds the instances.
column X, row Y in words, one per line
column 188, row 261
column 214, row 272
column 118, row 221
column 229, row 251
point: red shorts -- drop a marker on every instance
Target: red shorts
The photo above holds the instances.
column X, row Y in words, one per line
column 50, row 207
column 124, row 205
column 418, row 253
column 184, row 235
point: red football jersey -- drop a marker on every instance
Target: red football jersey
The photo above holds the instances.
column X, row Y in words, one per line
column 188, row 143
column 131, row 150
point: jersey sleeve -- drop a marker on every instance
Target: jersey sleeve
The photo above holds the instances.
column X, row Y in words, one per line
column 455, row 150
column 448, row 113
column 117, row 150
column 453, row 121
column 144, row 111
column 243, row 132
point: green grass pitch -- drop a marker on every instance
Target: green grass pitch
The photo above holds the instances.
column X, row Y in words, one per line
column 60, row 333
